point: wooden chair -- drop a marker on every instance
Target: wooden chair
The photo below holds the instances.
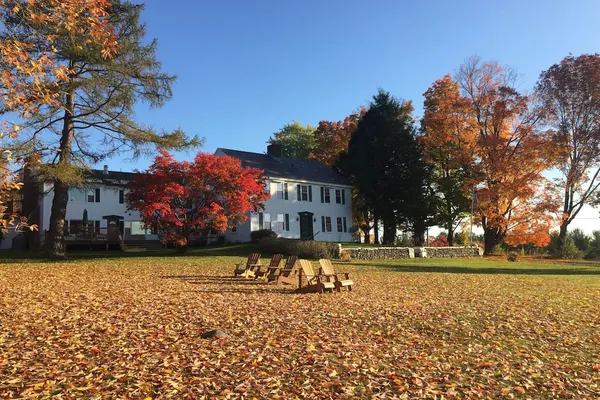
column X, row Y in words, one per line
column 315, row 283
column 327, row 269
column 274, row 264
column 285, row 275
column 252, row 263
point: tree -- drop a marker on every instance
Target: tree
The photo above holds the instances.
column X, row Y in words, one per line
column 296, row 140
column 384, row 162
column 448, row 140
column 95, row 65
column 332, row 138
column 180, row 199
column 570, row 96
column 511, row 153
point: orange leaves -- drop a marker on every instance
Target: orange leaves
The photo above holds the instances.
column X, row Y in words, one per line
column 131, row 328
column 31, row 75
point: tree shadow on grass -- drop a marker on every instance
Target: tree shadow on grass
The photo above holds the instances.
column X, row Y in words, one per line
column 491, row 271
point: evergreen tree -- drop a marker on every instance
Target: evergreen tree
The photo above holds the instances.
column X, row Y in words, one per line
column 385, row 164
column 91, row 115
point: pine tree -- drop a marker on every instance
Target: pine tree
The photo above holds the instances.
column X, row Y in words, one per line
column 91, row 116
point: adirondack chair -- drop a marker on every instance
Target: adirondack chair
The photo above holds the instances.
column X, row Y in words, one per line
column 315, row 283
column 327, row 269
column 274, row 264
column 252, row 263
column 286, row 275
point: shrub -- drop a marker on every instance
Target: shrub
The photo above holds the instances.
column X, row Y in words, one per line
column 498, row 249
column 569, row 251
column 512, row 256
column 220, row 240
column 345, row 256
column 255, row 236
column 299, row 248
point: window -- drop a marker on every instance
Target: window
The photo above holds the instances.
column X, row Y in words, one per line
column 326, row 224
column 280, row 227
column 93, row 196
column 267, row 221
column 325, row 195
column 304, row 192
column 340, row 196
column 287, row 222
column 281, row 190
column 121, row 196
column 340, row 225
column 234, row 229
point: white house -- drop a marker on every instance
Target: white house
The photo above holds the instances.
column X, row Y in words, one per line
column 103, row 196
column 308, row 200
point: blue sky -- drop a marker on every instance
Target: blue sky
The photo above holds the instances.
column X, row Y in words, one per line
column 246, row 68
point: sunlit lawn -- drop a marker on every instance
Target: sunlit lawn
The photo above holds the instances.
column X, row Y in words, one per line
column 129, row 327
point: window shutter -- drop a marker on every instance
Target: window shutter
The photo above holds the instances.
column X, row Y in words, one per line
column 97, row 195
column 285, row 191
column 121, row 196
column 322, row 194
column 309, row 192
column 345, row 228
column 343, row 196
column 322, row 224
column 299, row 196
column 287, row 222
column 260, row 220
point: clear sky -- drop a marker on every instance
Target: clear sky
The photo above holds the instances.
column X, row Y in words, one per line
column 246, row 68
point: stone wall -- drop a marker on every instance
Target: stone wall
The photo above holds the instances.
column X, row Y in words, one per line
column 387, row 253
column 448, row 252
column 380, row 253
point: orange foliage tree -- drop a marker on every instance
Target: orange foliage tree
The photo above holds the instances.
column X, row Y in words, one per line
column 510, row 152
column 448, row 139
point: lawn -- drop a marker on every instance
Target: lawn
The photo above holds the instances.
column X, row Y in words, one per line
column 129, row 327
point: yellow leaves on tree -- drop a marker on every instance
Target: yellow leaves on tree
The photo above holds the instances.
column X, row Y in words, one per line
column 511, row 152
column 32, row 68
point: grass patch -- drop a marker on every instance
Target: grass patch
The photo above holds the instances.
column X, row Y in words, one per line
column 130, row 327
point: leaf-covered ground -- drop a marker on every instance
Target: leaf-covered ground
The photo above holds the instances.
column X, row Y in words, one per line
column 130, row 328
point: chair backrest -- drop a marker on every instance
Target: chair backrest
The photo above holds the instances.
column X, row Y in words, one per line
column 307, row 269
column 289, row 266
column 275, row 260
column 253, row 259
column 326, row 266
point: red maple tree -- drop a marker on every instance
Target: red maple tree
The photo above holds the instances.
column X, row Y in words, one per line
column 181, row 199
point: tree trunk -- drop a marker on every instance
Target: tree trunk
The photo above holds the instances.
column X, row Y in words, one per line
column 491, row 237
column 389, row 229
column 419, row 234
column 367, row 233
column 450, row 233
column 56, row 246
column 562, row 235
column 376, row 228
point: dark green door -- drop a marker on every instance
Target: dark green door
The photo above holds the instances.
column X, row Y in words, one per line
column 306, row 225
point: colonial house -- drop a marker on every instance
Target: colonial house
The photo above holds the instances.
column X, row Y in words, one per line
column 308, row 200
column 102, row 199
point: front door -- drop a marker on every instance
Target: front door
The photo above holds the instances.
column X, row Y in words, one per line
column 306, row 225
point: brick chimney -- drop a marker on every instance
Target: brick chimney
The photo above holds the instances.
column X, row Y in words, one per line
column 274, row 150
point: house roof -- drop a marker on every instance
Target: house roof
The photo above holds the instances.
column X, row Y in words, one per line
column 288, row 168
column 111, row 178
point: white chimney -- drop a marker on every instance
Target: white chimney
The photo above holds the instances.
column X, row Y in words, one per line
column 106, row 170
